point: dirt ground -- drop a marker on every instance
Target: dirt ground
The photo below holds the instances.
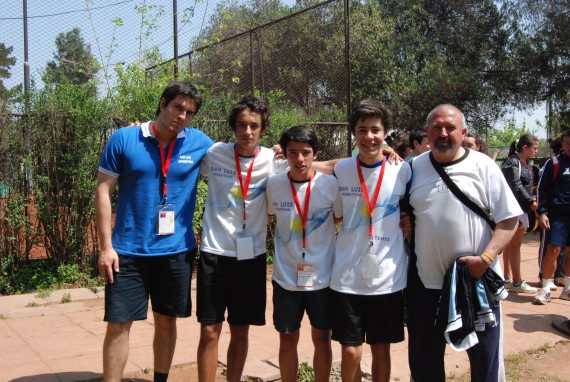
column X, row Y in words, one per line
column 550, row 364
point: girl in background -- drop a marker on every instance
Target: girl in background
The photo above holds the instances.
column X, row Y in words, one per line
column 519, row 176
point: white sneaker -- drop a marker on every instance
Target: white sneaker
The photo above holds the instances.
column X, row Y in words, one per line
column 565, row 295
column 541, row 298
column 522, row 287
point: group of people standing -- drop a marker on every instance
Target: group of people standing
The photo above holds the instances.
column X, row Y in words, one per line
column 544, row 196
column 354, row 285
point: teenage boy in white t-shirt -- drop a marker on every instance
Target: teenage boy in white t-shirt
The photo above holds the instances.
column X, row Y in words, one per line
column 370, row 270
column 232, row 268
column 303, row 201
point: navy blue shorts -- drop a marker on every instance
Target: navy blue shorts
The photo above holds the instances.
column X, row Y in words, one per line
column 166, row 279
column 377, row 319
column 289, row 307
column 238, row 286
column 559, row 229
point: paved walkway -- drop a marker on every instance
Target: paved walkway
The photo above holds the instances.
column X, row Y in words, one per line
column 43, row 339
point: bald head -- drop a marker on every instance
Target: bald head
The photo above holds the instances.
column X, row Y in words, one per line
column 445, row 127
column 445, row 108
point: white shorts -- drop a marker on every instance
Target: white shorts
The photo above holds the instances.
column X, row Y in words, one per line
column 523, row 219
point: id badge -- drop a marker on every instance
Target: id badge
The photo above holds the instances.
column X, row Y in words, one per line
column 370, row 268
column 165, row 219
column 305, row 273
column 244, row 248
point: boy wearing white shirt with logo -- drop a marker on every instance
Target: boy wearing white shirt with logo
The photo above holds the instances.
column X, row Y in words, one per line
column 305, row 203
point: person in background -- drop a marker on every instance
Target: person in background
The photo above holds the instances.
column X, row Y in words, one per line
column 304, row 203
column 151, row 248
column 519, row 176
column 418, row 144
column 554, row 216
column 559, row 275
column 475, row 142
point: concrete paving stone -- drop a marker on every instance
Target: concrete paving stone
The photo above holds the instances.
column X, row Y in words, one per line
column 17, row 355
column 73, row 295
column 80, row 365
column 28, row 372
column 262, row 370
column 141, row 358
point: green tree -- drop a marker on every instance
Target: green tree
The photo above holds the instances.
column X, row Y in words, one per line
column 73, row 61
column 6, row 62
column 545, row 54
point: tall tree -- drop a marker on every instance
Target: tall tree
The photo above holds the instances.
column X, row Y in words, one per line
column 73, row 62
column 546, row 53
column 6, row 62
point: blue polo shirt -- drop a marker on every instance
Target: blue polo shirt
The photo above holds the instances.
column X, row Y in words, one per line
column 132, row 156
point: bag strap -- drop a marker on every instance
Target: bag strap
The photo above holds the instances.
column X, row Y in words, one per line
column 459, row 194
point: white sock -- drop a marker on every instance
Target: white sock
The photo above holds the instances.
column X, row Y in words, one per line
column 546, row 284
column 567, row 283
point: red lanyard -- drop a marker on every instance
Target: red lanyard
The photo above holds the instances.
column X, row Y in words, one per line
column 370, row 204
column 302, row 214
column 165, row 162
column 244, row 187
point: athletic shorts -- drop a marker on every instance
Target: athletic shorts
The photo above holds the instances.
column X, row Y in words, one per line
column 166, row 279
column 559, row 229
column 238, row 286
column 289, row 307
column 377, row 319
column 523, row 220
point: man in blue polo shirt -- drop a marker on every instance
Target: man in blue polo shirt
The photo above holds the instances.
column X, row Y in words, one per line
column 150, row 250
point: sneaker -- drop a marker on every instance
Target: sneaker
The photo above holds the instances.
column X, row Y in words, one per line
column 507, row 284
column 522, row 287
column 560, row 281
column 553, row 287
column 541, row 298
column 565, row 295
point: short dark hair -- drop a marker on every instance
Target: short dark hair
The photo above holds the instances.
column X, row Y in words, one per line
column 299, row 134
column 417, row 135
column 183, row 87
column 253, row 104
column 370, row 108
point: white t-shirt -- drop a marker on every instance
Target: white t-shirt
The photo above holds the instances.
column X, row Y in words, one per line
column 320, row 232
column 445, row 228
column 353, row 241
column 222, row 222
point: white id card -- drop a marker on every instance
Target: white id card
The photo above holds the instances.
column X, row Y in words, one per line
column 244, row 248
column 305, row 273
column 370, row 269
column 166, row 219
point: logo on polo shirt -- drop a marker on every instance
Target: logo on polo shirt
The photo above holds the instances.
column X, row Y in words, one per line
column 185, row 159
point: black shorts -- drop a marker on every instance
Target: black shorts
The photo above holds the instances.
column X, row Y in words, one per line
column 377, row 319
column 240, row 286
column 166, row 279
column 289, row 307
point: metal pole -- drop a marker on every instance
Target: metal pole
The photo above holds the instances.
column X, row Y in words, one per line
column 26, row 63
column 252, row 61
column 348, row 71
column 175, row 23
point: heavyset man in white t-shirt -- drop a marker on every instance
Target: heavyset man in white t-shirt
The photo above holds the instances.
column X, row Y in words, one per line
column 304, row 203
column 369, row 271
column 446, row 230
